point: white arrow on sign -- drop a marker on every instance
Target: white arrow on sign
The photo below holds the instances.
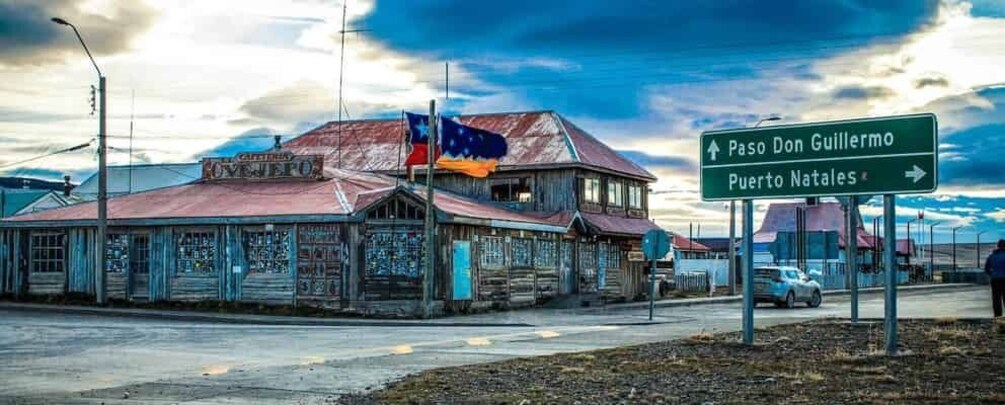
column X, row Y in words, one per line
column 916, row 173
column 713, row 149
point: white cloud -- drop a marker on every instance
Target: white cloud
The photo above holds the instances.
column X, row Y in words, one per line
column 998, row 216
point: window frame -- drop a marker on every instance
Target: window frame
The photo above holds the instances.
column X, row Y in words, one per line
column 182, row 257
column 48, row 257
column 588, row 187
column 498, row 256
column 513, row 186
column 635, row 192
column 267, row 245
column 619, row 192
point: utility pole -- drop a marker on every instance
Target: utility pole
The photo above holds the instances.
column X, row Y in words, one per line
column 851, row 254
column 732, row 247
column 427, row 277
column 977, row 263
column 954, row 246
column 100, row 286
column 931, row 247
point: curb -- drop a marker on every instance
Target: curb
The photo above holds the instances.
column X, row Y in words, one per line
column 240, row 319
column 686, row 302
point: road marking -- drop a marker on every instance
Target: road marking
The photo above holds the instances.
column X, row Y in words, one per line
column 478, row 341
column 402, row 349
column 311, row 360
column 215, row 370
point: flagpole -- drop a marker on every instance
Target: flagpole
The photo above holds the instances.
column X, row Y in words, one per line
column 427, row 278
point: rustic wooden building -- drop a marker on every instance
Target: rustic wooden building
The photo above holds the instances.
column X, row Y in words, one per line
column 563, row 217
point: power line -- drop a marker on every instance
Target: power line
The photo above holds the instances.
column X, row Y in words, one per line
column 70, row 149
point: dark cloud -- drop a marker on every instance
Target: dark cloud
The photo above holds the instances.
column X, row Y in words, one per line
column 658, row 162
column 862, row 93
column 253, row 140
column 28, row 37
column 937, row 81
column 982, row 164
column 622, row 49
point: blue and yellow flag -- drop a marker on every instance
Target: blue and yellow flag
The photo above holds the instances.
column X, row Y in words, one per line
column 469, row 150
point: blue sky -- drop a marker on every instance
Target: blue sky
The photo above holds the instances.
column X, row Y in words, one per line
column 646, row 77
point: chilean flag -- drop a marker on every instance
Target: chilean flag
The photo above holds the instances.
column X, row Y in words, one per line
column 418, row 130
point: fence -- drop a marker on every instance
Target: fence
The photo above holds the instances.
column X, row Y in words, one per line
column 836, row 278
column 692, row 282
column 717, row 268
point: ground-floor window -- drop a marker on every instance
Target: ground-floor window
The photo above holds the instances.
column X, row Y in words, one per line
column 319, row 260
column 197, row 252
column 545, row 254
column 48, row 254
column 588, row 266
column 394, row 253
column 139, row 257
column 522, row 249
column 613, row 256
column 267, row 251
column 394, row 264
column 491, row 252
column 117, row 253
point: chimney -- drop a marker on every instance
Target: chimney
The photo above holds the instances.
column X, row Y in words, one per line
column 66, row 186
column 279, row 145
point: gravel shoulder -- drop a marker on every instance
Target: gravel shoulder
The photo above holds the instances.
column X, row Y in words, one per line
column 942, row 361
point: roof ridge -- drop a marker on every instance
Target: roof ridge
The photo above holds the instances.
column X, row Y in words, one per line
column 604, row 145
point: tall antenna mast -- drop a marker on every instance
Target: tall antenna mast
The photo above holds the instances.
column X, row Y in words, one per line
column 341, row 74
column 132, row 115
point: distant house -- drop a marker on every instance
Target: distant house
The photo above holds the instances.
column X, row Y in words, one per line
column 17, row 201
column 689, row 248
column 717, row 246
column 124, row 180
column 822, row 239
column 906, row 250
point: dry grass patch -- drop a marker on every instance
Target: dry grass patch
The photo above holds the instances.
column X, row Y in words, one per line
column 951, row 351
column 583, row 357
column 841, row 356
column 946, row 321
column 703, row 337
column 803, row 377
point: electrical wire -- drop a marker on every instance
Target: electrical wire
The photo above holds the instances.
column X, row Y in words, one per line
column 70, row 149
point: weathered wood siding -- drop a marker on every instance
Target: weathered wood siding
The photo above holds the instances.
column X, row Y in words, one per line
column 196, row 286
column 162, row 259
column 81, row 263
column 256, row 286
column 8, row 261
column 550, row 188
column 46, row 283
column 117, row 285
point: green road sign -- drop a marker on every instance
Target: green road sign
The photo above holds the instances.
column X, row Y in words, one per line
column 889, row 155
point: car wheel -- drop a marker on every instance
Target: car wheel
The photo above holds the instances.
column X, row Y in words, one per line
column 790, row 300
column 815, row 300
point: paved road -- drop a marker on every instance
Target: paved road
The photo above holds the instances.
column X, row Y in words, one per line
column 58, row 358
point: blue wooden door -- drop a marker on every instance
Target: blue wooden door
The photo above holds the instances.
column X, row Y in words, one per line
column 566, row 276
column 462, row 270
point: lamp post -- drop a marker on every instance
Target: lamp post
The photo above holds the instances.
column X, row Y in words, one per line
column 99, row 255
column 954, row 245
column 909, row 239
column 978, row 260
column 877, row 247
column 732, row 225
column 931, row 246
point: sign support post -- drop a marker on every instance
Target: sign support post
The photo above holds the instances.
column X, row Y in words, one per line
column 655, row 245
column 851, row 255
column 748, row 272
column 890, row 245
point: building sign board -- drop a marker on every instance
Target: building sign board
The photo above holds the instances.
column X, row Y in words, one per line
column 888, row 155
column 263, row 166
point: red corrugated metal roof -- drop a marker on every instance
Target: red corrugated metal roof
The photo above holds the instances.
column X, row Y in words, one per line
column 342, row 193
column 595, row 153
column 534, row 139
column 828, row 216
column 618, row 225
column 684, row 244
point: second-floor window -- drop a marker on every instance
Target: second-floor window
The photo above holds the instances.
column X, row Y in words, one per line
column 635, row 197
column 510, row 189
column 591, row 190
column 615, row 194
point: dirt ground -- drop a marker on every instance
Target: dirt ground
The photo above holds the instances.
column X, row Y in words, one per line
column 824, row 362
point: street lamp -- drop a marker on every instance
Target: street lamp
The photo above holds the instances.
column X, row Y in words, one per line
column 771, row 118
column 732, row 225
column 978, row 265
column 931, row 246
column 99, row 256
column 908, row 241
column 954, row 245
